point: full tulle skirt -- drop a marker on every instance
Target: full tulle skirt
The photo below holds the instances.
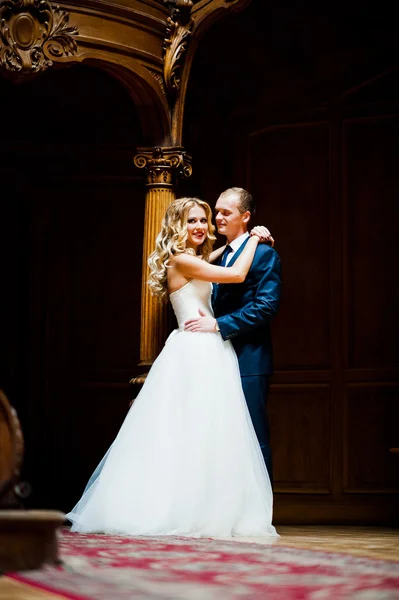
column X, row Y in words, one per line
column 186, row 460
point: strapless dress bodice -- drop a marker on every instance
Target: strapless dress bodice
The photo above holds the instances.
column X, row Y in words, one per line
column 188, row 299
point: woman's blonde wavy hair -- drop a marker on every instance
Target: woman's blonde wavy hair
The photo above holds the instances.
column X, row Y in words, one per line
column 172, row 239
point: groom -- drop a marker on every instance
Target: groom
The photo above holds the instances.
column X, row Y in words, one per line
column 244, row 311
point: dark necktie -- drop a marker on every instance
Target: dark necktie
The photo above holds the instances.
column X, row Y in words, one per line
column 222, row 263
column 225, row 255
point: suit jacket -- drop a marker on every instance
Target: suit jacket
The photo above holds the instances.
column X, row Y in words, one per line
column 244, row 311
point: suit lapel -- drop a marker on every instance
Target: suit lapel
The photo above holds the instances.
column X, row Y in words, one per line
column 238, row 252
column 219, row 289
column 215, row 285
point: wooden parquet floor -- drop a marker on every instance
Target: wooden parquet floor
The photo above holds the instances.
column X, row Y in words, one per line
column 369, row 542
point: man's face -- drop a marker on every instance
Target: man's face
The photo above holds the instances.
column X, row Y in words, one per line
column 229, row 221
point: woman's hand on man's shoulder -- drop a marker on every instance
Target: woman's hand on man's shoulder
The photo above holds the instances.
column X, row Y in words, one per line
column 263, row 234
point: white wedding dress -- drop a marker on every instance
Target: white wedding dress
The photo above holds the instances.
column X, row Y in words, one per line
column 186, row 460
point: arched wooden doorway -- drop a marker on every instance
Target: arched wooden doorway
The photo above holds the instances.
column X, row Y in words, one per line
column 73, row 210
column 148, row 46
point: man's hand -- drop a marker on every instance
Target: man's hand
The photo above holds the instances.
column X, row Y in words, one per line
column 204, row 323
column 263, row 234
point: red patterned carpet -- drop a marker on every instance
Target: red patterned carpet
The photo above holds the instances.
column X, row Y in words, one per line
column 99, row 567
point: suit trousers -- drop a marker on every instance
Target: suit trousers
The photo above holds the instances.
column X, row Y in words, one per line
column 256, row 391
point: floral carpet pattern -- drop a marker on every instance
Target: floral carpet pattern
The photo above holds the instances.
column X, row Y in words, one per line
column 99, row 567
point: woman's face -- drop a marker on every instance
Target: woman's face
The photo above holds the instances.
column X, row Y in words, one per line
column 197, row 227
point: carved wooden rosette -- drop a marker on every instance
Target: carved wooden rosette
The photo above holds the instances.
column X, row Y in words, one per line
column 163, row 166
column 178, row 32
column 33, row 34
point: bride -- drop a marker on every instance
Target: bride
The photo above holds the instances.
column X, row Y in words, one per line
column 186, row 460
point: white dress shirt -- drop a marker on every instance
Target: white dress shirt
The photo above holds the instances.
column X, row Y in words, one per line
column 234, row 245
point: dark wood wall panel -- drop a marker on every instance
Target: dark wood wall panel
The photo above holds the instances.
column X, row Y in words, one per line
column 75, row 208
column 289, row 176
column 371, row 187
column 371, row 429
column 300, row 420
column 79, row 428
column 338, row 323
column 311, row 129
column 85, row 432
column 106, row 257
column 90, row 274
column 89, row 257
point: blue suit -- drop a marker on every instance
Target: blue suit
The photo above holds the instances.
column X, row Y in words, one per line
column 244, row 312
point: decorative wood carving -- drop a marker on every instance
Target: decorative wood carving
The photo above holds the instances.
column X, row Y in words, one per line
column 178, row 32
column 33, row 34
column 163, row 165
column 211, row 10
column 147, row 45
column 158, row 78
column 139, row 380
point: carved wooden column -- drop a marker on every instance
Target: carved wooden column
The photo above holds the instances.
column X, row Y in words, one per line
column 164, row 166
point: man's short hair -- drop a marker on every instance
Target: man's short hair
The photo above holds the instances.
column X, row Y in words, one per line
column 245, row 200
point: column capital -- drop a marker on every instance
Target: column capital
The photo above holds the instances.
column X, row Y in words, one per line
column 163, row 165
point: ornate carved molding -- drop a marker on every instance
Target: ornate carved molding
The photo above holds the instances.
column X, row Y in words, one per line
column 178, row 33
column 212, row 6
column 163, row 165
column 158, row 78
column 139, row 380
column 33, row 34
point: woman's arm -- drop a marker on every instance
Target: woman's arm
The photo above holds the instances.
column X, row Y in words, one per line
column 216, row 253
column 192, row 267
column 263, row 234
